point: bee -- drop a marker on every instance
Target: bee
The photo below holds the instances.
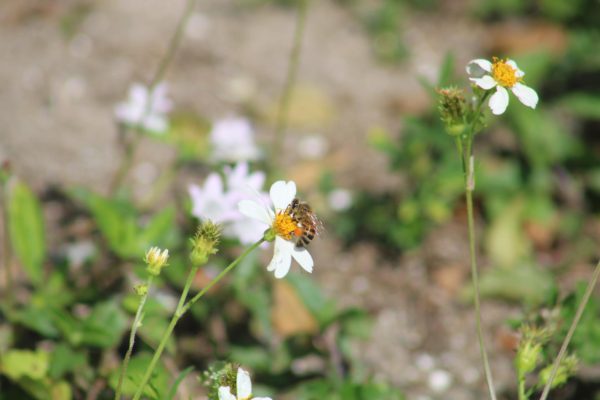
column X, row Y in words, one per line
column 307, row 224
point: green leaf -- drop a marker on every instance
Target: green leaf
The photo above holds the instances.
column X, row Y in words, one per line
column 64, row 360
column 17, row 364
column 158, row 232
column 105, row 326
column 175, row 386
column 158, row 386
column 523, row 284
column 37, row 319
column 586, row 339
column 583, row 105
column 26, row 227
column 506, row 244
column 322, row 309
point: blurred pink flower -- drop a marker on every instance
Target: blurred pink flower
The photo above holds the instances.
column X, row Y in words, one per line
column 233, row 140
column 217, row 199
column 144, row 109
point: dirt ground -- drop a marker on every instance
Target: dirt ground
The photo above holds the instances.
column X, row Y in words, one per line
column 56, row 127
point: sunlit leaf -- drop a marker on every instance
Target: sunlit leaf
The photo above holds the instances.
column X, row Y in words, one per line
column 26, row 227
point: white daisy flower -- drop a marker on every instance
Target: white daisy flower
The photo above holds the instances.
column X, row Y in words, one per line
column 501, row 74
column 283, row 226
column 217, row 198
column 232, row 140
column 244, row 389
column 146, row 109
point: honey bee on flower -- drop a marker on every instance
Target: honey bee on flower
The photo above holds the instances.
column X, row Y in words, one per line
column 502, row 75
column 292, row 223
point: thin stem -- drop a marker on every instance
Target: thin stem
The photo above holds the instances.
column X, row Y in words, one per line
column 182, row 308
column 565, row 344
column 136, row 324
column 167, row 334
column 475, row 277
column 161, row 70
column 221, row 275
column 173, row 44
column 290, row 80
column 522, row 392
column 126, row 163
column 469, row 163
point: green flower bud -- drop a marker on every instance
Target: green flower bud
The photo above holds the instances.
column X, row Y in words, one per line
column 453, row 110
column 156, row 260
column 141, row 289
column 528, row 357
column 530, row 348
column 205, row 242
column 566, row 369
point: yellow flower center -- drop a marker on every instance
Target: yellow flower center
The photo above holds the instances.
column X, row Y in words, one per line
column 284, row 226
column 503, row 73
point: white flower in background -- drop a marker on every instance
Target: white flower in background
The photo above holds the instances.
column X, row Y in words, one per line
column 233, row 140
column 244, row 389
column 144, row 109
column 313, row 147
column 281, row 193
column 241, row 185
column 501, row 74
column 217, row 198
column 340, row 199
column 211, row 201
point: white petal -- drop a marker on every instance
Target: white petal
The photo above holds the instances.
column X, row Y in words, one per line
column 478, row 67
column 513, row 64
column 499, row 101
column 254, row 210
column 303, row 257
column 244, row 384
column 282, row 257
column 525, row 94
column 486, row 82
column 225, row 393
column 282, row 193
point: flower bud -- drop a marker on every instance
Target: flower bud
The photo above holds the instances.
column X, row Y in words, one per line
column 141, row 289
column 529, row 351
column 566, row 369
column 205, row 242
column 453, row 109
column 156, row 260
column 528, row 357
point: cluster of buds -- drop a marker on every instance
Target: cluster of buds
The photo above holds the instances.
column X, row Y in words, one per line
column 205, row 242
column 218, row 375
column 453, row 110
column 566, row 369
column 529, row 352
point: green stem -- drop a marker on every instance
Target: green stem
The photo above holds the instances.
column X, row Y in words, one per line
column 181, row 309
column 136, row 324
column 126, row 162
column 469, row 163
column 221, row 275
column 161, row 70
column 522, row 391
column 290, row 80
column 167, row 334
column 565, row 344
column 173, row 44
